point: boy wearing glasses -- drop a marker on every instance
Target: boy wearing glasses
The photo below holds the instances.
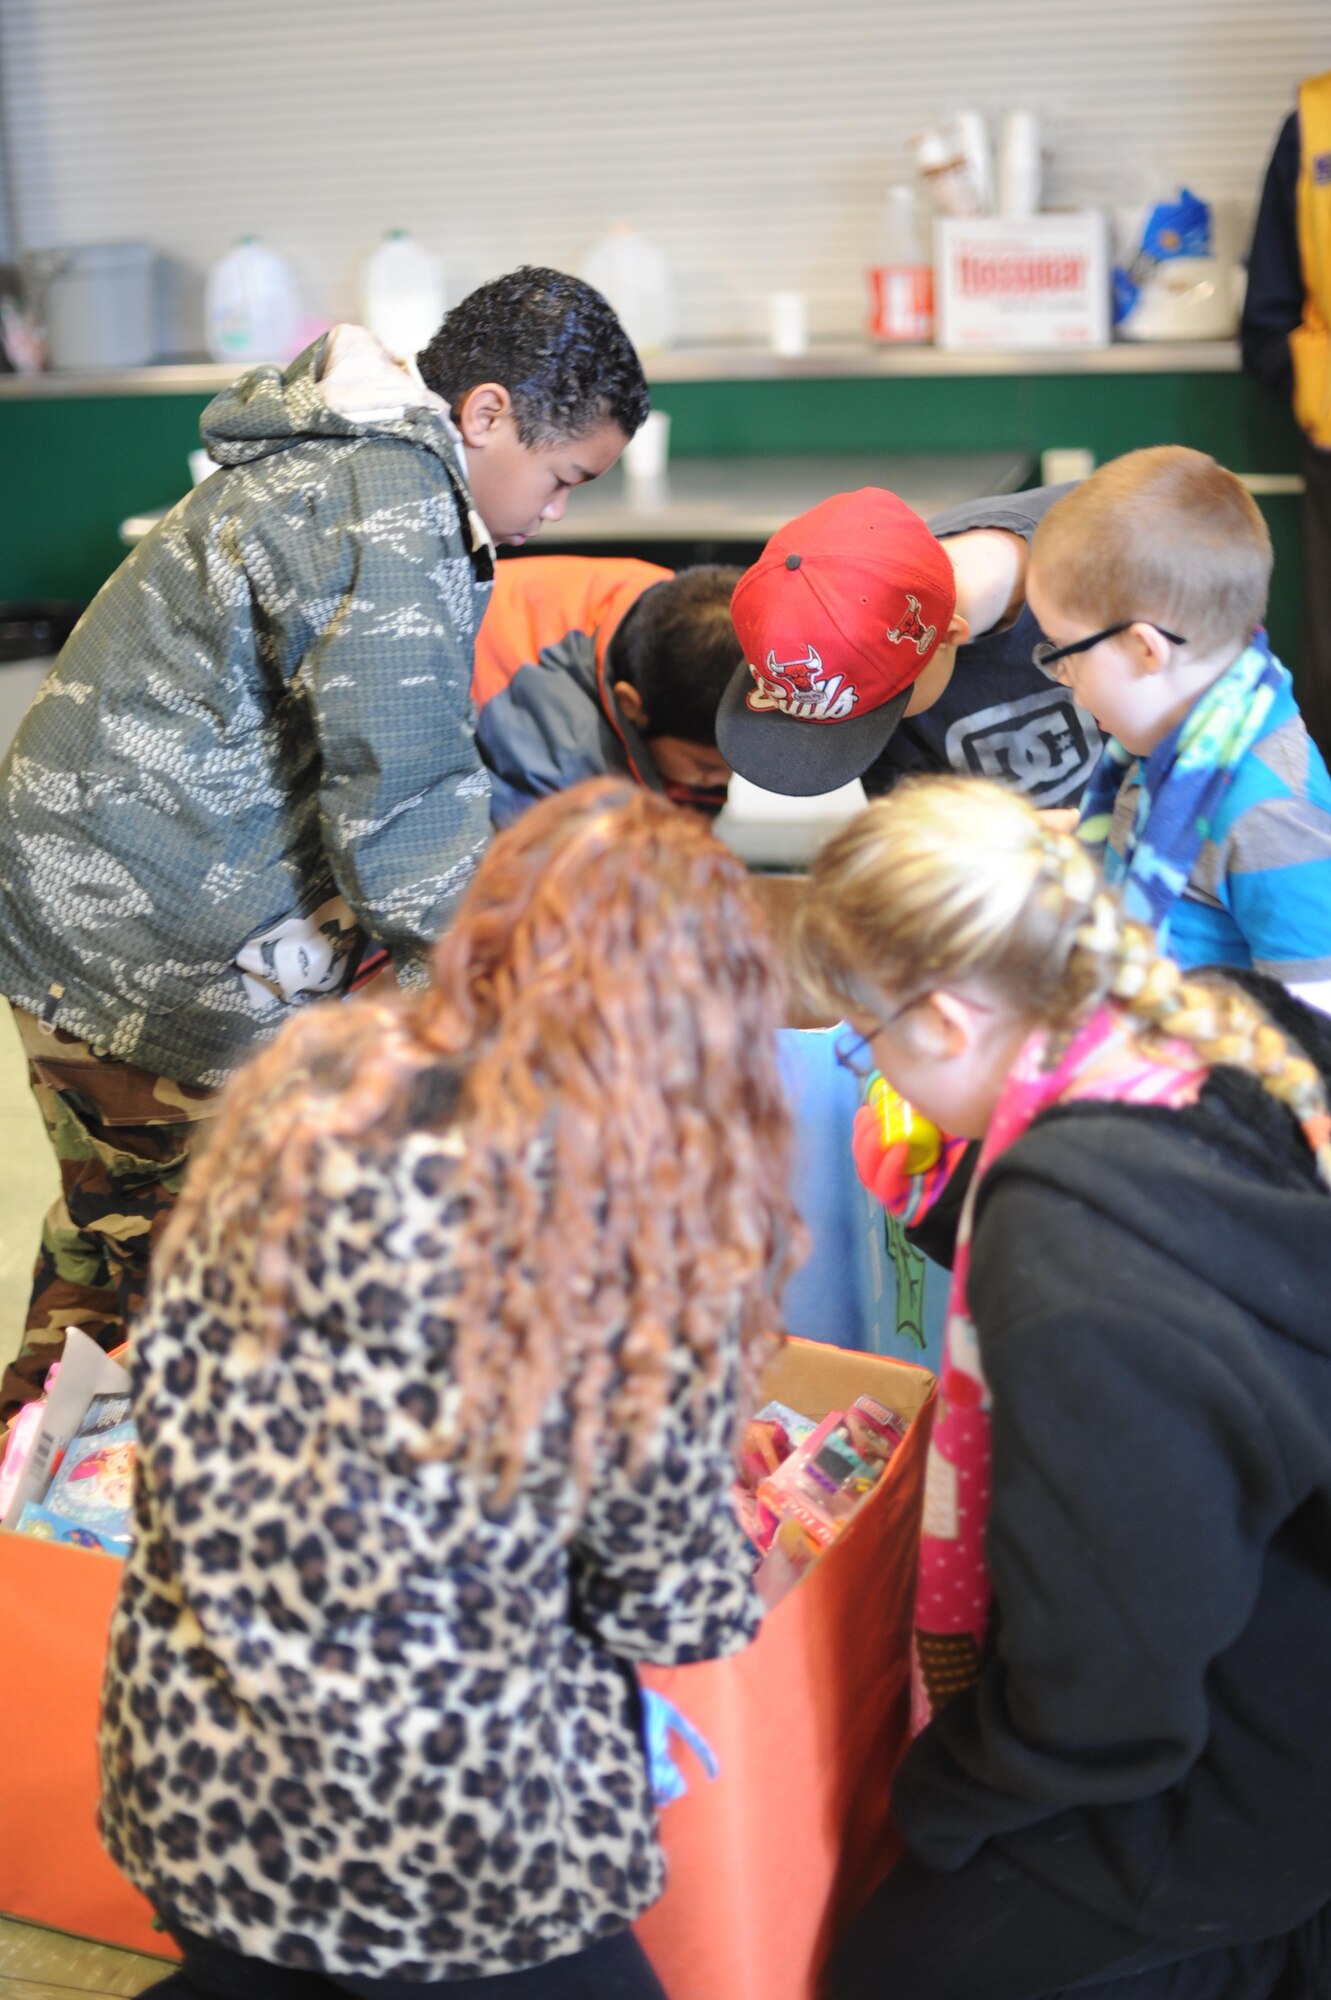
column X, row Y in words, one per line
column 876, row 646
column 1211, row 805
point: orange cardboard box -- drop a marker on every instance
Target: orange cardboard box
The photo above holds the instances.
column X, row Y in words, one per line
column 807, row 1725
column 769, row 1858
column 55, row 1607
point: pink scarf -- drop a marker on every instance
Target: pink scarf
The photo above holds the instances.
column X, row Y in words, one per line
column 953, row 1592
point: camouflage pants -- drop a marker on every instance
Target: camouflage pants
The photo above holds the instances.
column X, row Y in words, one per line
column 122, row 1137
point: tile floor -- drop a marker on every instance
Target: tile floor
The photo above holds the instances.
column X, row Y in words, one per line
column 28, row 1184
column 45, row 1965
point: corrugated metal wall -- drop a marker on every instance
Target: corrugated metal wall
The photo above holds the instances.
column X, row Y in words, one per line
column 752, row 140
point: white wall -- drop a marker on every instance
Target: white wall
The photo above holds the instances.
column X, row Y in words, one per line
column 752, row 139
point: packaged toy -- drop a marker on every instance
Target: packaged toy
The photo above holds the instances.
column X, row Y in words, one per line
column 23, row 1435
column 84, row 1374
column 44, row 1526
column 818, row 1486
column 804, row 1502
column 94, row 1486
column 768, row 1441
column 875, row 1430
column 105, row 1413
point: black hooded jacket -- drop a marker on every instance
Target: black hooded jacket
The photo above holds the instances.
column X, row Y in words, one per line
column 1150, row 1733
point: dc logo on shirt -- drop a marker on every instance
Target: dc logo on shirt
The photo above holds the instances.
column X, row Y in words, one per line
column 1042, row 745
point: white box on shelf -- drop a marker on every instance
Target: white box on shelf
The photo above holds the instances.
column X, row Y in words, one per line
column 1030, row 281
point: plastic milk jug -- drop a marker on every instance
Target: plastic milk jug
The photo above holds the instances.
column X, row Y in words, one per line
column 252, row 305
column 636, row 277
column 402, row 294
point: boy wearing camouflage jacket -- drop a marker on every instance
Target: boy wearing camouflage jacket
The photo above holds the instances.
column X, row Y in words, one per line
column 254, row 760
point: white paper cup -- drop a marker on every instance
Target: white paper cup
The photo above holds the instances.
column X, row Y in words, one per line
column 788, row 323
column 647, row 453
column 1061, row 463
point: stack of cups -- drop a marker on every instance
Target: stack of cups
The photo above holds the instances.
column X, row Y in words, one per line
column 971, row 135
column 1019, row 164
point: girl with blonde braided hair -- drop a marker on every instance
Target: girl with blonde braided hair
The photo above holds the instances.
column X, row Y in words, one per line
column 437, row 1393
column 1121, row 1780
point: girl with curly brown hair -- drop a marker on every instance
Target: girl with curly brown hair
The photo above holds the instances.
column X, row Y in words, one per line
column 1121, row 1784
column 437, row 1391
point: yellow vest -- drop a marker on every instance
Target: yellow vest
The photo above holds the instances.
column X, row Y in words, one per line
column 1310, row 343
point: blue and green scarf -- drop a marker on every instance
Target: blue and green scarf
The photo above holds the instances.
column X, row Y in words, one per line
column 1183, row 783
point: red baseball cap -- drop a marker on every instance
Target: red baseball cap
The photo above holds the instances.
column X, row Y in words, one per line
column 838, row 618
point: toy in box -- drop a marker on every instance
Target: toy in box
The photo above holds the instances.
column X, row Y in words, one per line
column 94, row 1486
column 44, row 1526
column 801, row 1482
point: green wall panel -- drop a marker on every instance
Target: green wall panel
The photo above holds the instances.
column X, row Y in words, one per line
column 72, row 469
column 1238, row 420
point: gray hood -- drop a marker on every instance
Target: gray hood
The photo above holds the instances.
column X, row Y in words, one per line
column 344, row 384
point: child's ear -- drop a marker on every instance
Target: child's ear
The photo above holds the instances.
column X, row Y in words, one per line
column 480, row 413
column 943, row 1025
column 958, row 630
column 629, row 703
column 1148, row 649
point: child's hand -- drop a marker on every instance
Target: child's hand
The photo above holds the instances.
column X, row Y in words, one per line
column 1061, row 819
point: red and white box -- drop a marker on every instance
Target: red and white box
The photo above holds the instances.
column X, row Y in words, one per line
column 901, row 302
column 1037, row 281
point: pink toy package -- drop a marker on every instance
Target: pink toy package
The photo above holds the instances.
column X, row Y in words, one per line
column 822, row 1482
column 875, row 1431
column 22, row 1437
column 815, row 1485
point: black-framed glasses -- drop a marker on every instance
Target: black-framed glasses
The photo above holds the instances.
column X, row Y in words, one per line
column 853, row 1052
column 1048, row 657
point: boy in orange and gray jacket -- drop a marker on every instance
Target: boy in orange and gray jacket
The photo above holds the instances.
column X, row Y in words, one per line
column 587, row 665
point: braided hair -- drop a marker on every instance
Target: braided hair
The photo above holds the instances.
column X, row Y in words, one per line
column 951, row 878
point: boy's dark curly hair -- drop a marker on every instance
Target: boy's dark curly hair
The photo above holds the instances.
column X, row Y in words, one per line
column 677, row 647
column 554, row 344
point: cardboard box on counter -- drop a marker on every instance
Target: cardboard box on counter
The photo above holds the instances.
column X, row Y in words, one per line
column 1037, row 281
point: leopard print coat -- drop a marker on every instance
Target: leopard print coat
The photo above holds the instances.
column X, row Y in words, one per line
column 355, row 1719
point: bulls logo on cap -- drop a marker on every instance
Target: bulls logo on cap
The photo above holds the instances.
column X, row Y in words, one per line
column 913, row 627
column 801, row 689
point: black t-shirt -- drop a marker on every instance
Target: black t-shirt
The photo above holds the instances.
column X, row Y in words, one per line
column 999, row 717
